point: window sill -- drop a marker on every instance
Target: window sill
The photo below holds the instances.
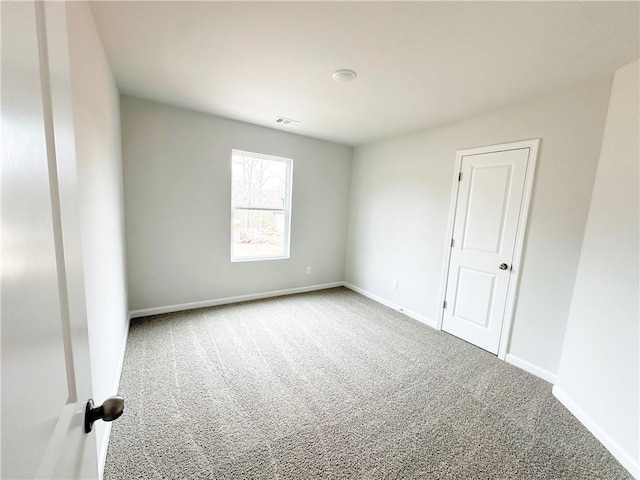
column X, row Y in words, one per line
column 258, row 259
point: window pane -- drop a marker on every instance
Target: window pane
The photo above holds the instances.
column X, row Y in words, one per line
column 257, row 233
column 258, row 182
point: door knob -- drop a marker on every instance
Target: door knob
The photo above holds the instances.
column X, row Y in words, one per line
column 110, row 410
column 503, row 266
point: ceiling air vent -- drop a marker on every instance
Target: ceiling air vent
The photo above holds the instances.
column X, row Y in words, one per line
column 288, row 121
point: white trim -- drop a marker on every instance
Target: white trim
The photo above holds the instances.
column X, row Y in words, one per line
column 102, row 455
column 145, row 312
column 512, row 291
column 451, row 223
column 286, row 210
column 261, row 156
column 618, row 451
column 394, row 306
column 531, row 368
column 52, row 452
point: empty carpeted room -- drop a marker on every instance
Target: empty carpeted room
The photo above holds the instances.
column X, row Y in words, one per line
column 320, row 240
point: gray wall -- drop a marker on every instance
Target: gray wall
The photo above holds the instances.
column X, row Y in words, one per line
column 178, row 207
column 599, row 370
column 96, row 112
column 400, row 197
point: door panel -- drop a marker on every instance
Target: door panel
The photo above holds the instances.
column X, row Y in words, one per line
column 474, row 296
column 45, row 362
column 486, row 220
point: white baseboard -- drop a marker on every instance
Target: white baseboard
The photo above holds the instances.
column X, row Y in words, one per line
column 622, row 455
column 102, row 455
column 531, row 368
column 512, row 359
column 224, row 301
column 416, row 316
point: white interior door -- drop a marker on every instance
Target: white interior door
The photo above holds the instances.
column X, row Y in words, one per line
column 487, row 214
column 45, row 359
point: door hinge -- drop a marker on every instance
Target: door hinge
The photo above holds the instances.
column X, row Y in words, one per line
column 444, row 304
column 459, row 176
column 452, row 242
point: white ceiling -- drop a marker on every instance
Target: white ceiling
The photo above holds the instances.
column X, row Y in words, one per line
column 419, row 64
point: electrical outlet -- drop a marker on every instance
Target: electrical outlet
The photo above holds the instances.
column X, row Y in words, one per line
column 308, row 270
column 395, row 284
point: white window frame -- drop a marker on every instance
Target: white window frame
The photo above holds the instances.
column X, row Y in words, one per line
column 286, row 209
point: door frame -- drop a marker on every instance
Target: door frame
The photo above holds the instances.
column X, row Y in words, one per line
column 512, row 291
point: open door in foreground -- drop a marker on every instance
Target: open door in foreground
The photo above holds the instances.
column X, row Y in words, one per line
column 46, row 378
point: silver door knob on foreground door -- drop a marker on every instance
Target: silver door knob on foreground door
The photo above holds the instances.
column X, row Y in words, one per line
column 503, row 266
column 109, row 411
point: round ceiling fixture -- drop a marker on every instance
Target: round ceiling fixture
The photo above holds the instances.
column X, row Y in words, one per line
column 344, row 75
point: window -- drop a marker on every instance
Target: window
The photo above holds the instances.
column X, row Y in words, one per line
column 261, row 206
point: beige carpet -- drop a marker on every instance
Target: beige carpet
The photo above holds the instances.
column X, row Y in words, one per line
column 333, row 385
